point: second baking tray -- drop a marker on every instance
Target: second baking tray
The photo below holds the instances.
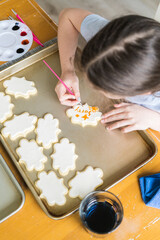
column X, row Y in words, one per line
column 117, row 154
column 11, row 194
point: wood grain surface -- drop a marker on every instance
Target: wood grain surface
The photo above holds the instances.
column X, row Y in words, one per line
column 139, row 222
column 30, row 223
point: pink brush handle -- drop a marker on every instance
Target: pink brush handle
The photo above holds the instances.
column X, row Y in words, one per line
column 34, row 36
column 59, row 78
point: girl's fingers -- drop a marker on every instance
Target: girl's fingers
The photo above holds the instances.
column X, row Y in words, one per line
column 116, row 117
column 60, row 90
column 119, row 124
column 117, row 105
column 129, row 129
column 69, row 102
column 66, row 97
column 113, row 112
column 75, row 88
column 62, row 93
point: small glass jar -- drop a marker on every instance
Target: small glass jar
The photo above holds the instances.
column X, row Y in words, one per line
column 101, row 212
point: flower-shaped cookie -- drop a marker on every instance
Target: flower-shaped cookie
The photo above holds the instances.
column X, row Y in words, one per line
column 19, row 126
column 84, row 115
column 31, row 155
column 5, row 107
column 52, row 188
column 64, row 156
column 47, row 130
column 20, row 87
column 85, row 182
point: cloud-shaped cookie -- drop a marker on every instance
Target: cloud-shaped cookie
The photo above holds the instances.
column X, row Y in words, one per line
column 52, row 188
column 64, row 156
column 19, row 87
column 85, row 182
column 84, row 115
column 47, row 130
column 31, row 155
column 5, row 107
column 19, row 126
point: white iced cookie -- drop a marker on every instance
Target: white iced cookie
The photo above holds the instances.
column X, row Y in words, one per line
column 64, row 156
column 19, row 126
column 84, row 115
column 5, row 107
column 85, row 182
column 47, row 130
column 31, row 155
column 19, row 87
column 52, row 188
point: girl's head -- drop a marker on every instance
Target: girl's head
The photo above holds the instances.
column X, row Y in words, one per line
column 123, row 58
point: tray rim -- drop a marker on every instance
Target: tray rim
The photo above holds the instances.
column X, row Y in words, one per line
column 29, row 61
column 143, row 134
column 15, row 183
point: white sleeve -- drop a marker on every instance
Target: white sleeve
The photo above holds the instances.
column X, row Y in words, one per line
column 92, row 24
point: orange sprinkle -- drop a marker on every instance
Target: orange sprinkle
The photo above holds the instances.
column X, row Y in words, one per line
column 77, row 115
column 85, row 117
column 86, row 111
column 76, row 109
column 94, row 109
column 89, row 113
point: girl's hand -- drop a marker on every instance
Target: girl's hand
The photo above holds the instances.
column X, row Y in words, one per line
column 130, row 117
column 72, row 82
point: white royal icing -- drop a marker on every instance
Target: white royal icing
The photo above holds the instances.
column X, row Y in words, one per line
column 20, row 87
column 47, row 130
column 64, row 156
column 19, row 126
column 52, row 188
column 85, row 182
column 31, row 155
column 84, row 115
column 5, row 107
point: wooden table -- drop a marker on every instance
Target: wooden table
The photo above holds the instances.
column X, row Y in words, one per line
column 30, row 223
column 32, row 14
column 140, row 222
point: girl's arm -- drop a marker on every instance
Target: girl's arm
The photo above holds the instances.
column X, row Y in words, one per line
column 68, row 31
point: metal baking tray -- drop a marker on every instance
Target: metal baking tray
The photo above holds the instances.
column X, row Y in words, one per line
column 117, row 154
column 11, row 194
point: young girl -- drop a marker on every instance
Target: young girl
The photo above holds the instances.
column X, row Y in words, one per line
column 121, row 58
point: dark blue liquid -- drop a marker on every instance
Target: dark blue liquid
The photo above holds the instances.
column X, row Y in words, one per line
column 100, row 217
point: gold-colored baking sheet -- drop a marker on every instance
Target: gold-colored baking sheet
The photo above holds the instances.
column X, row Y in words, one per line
column 117, row 154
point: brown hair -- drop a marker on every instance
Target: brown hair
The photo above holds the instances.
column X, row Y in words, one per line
column 123, row 58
